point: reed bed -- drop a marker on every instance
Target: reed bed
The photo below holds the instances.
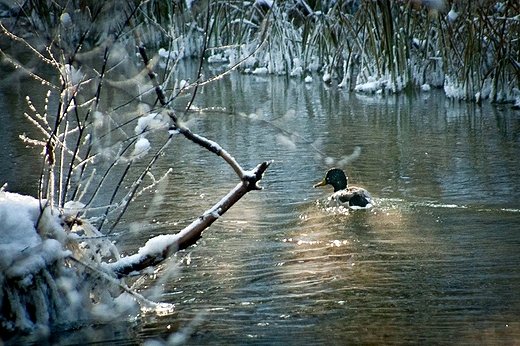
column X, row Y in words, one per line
column 470, row 49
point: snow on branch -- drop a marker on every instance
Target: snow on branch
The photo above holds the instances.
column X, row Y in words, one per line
column 161, row 247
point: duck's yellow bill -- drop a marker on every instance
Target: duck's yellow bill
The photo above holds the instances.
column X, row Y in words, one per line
column 321, row 183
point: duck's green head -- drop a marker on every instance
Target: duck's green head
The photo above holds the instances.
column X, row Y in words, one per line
column 335, row 177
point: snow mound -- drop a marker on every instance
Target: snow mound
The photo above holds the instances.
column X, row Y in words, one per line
column 373, row 85
column 50, row 273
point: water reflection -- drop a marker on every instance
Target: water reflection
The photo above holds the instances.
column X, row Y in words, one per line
column 435, row 261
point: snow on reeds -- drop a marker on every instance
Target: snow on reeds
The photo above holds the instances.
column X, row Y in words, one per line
column 470, row 49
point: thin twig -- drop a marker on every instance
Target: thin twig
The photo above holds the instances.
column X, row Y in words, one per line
column 138, row 182
column 202, row 56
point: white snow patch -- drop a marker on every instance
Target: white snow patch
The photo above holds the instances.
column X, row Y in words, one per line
column 217, row 59
column 215, row 213
column 168, row 54
column 40, row 284
column 163, row 53
column 150, row 122
column 156, row 244
column 72, row 208
column 372, row 85
column 452, row 15
column 261, row 71
column 296, row 72
column 454, row 90
column 141, row 148
column 66, row 20
column 153, row 247
column 308, row 79
column 18, row 216
column 314, row 65
column 327, row 77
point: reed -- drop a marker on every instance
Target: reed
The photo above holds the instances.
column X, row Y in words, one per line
column 382, row 46
column 468, row 48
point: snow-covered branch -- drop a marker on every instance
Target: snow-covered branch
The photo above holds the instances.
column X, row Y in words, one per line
column 161, row 247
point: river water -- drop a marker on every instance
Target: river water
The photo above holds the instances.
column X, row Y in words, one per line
column 436, row 260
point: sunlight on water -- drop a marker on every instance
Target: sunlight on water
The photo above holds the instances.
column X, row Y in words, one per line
column 511, row 210
column 433, row 205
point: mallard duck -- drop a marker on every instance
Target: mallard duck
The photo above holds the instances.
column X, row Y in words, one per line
column 353, row 196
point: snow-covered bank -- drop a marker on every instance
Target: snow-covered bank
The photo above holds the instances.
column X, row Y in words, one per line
column 41, row 285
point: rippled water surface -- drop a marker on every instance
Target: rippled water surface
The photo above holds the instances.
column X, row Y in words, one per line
column 435, row 261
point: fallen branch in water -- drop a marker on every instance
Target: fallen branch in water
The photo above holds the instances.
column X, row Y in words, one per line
column 161, row 247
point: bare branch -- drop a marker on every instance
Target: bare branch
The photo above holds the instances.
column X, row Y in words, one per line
column 161, row 247
column 29, row 46
column 208, row 144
